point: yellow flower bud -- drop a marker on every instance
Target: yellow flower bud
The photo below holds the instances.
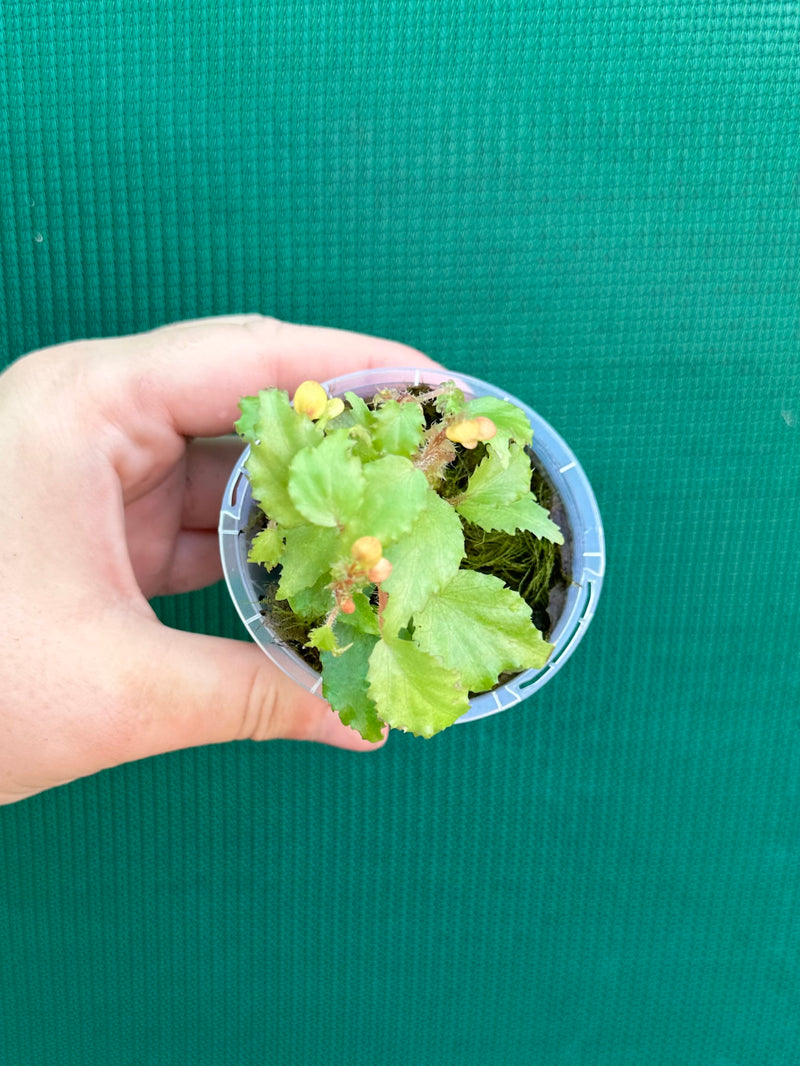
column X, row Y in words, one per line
column 471, row 430
column 310, row 399
column 486, row 428
column 366, row 551
column 380, row 571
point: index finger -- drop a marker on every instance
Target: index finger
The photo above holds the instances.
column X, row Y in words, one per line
column 197, row 371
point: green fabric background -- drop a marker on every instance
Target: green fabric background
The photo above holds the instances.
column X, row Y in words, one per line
column 596, row 205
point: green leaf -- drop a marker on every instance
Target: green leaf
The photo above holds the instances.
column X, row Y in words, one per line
column 309, row 554
column 280, row 435
column 344, row 685
column 479, row 628
column 267, row 548
column 399, row 427
column 498, row 496
column 322, row 638
column 363, row 445
column 494, row 482
column 525, row 514
column 362, row 416
column 358, row 420
column 511, row 422
column 450, row 400
column 422, row 561
column 395, row 492
column 312, row 603
column 412, row 691
column 363, row 618
column 353, row 415
column 245, row 425
column 326, row 483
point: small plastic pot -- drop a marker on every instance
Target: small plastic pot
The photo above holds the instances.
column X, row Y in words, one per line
column 574, row 508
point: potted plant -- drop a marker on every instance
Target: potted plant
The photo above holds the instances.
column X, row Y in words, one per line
column 417, row 546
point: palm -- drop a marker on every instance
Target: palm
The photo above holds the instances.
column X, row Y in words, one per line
column 153, row 524
column 171, row 516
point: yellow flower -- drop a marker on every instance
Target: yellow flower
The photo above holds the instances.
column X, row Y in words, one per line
column 471, row 430
column 310, row 399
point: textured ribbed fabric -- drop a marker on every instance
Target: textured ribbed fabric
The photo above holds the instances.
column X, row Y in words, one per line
column 597, row 206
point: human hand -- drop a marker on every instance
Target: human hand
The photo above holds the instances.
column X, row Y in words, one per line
column 108, row 499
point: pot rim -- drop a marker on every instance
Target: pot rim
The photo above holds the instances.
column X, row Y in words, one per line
column 558, row 463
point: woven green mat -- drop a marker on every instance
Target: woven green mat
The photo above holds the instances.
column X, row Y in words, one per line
column 596, row 206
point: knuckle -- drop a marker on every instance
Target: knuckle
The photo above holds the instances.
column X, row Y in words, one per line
column 51, row 367
column 260, row 323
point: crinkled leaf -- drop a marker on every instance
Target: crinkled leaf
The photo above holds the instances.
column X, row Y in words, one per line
column 498, row 496
column 479, row 628
column 309, row 554
column 326, row 483
column 363, row 445
column 362, row 416
column 525, row 514
column 350, row 416
column 280, row 435
column 494, row 481
column 323, row 639
column 511, row 423
column 267, row 547
column 357, row 420
column 398, row 427
column 395, row 492
column 312, row 603
column 364, row 617
column 344, row 684
column 423, row 561
column 450, row 400
column 412, row 691
column 245, row 425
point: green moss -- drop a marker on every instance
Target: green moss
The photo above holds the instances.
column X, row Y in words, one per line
column 523, row 562
column 286, row 625
column 530, row 566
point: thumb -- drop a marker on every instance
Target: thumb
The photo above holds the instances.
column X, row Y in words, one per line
column 196, row 689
